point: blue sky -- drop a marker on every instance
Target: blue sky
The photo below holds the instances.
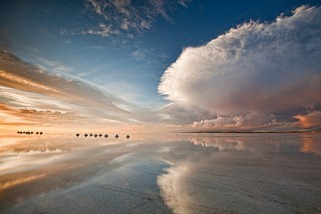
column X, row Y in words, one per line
column 123, row 47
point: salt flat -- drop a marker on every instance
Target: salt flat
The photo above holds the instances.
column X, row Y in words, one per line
column 176, row 173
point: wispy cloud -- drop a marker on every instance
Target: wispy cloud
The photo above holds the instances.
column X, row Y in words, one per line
column 32, row 95
column 184, row 3
column 139, row 54
column 7, row 78
column 123, row 16
column 260, row 69
column 102, row 30
column 54, row 66
column 10, row 117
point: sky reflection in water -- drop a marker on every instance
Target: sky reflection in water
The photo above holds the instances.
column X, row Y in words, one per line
column 184, row 173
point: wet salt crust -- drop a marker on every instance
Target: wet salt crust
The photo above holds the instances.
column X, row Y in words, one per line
column 184, row 173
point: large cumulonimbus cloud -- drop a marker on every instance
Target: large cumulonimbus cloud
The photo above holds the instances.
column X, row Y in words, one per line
column 266, row 68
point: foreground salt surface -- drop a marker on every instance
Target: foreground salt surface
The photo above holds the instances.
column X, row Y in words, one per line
column 185, row 173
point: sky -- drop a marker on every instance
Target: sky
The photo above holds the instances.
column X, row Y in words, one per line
column 157, row 65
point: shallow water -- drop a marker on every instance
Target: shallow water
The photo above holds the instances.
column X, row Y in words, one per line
column 180, row 173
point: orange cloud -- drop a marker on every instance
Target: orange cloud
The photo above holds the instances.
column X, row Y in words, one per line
column 16, row 81
column 310, row 120
column 51, row 100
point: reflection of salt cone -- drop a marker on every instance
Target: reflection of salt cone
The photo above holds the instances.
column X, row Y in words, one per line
column 116, row 136
column 86, row 135
column 77, row 135
column 106, row 135
column 127, row 136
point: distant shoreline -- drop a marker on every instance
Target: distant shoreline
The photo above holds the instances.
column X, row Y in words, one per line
column 239, row 132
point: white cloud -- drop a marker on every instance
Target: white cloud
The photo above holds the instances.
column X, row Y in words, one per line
column 247, row 122
column 102, row 30
column 219, row 122
column 97, row 6
column 264, row 68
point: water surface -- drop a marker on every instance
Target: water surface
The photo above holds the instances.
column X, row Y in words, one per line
column 176, row 173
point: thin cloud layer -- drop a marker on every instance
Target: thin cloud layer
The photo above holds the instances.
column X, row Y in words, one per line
column 33, row 96
column 14, row 73
column 123, row 16
column 271, row 70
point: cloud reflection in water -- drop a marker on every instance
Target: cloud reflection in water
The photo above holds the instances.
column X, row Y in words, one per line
column 188, row 173
column 257, row 173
